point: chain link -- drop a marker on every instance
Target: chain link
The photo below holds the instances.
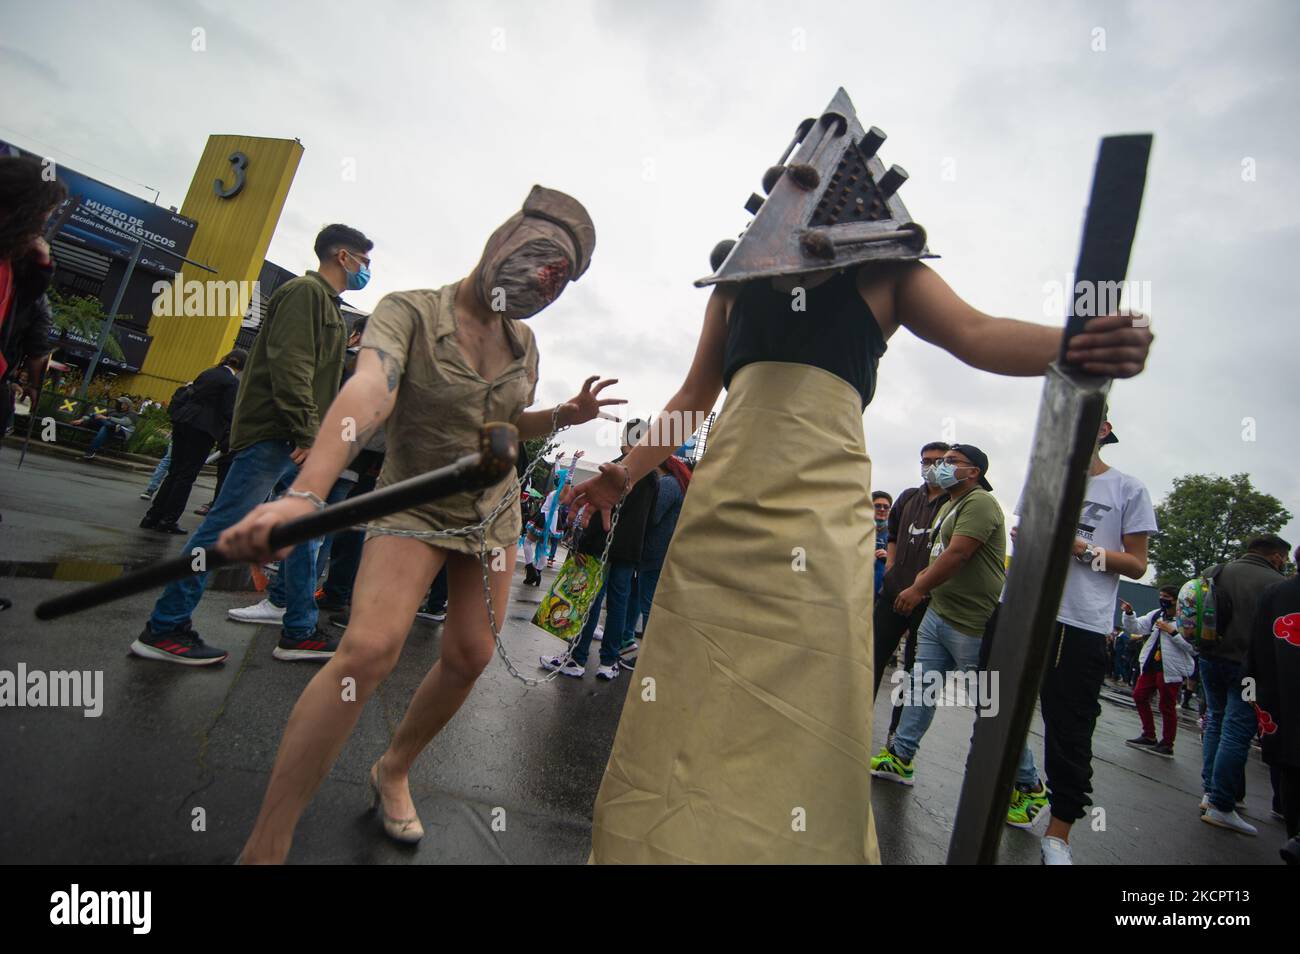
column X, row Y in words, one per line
column 479, row 531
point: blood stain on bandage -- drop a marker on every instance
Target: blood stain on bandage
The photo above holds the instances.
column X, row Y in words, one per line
column 551, row 278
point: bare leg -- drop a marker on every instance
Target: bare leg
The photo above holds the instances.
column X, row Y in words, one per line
column 467, row 648
column 395, row 574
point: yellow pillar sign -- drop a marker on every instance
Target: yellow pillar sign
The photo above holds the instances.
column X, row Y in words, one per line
column 236, row 196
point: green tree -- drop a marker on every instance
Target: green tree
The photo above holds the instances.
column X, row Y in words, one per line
column 1207, row 519
column 83, row 317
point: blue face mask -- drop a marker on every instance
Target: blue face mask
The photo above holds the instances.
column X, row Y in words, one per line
column 357, row 280
column 946, row 475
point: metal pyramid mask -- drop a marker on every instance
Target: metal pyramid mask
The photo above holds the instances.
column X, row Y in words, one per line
column 835, row 205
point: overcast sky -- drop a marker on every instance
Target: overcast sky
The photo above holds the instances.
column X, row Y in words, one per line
column 661, row 118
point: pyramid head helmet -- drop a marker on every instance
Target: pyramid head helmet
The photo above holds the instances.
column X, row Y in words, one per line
column 835, row 205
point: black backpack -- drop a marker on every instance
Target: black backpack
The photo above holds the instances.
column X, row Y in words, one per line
column 180, row 397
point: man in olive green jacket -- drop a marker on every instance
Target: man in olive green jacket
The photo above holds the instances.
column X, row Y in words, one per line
column 292, row 376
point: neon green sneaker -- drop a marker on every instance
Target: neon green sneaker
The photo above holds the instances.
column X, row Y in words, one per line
column 889, row 766
column 1026, row 803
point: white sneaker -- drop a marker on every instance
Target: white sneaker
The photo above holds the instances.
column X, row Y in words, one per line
column 1055, row 851
column 569, row 668
column 608, row 673
column 1205, row 804
column 1229, row 820
column 263, row 612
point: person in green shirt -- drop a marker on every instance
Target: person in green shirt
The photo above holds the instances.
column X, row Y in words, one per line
column 964, row 579
column 291, row 378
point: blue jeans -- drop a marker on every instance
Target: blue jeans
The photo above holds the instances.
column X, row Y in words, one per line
column 106, row 431
column 160, row 471
column 618, row 628
column 941, row 648
column 647, row 582
column 277, row 591
column 253, row 473
column 1230, row 724
column 1121, row 657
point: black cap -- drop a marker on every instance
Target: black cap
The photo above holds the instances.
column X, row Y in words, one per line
column 978, row 458
column 1105, row 419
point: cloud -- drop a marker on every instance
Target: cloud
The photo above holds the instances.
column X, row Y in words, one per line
column 23, row 62
column 662, row 118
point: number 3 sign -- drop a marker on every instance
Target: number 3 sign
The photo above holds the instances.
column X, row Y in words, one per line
column 238, row 162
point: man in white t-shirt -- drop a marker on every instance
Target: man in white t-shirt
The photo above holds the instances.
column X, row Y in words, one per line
column 1114, row 524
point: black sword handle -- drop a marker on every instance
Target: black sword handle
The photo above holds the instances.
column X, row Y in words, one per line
column 1109, row 224
column 498, row 449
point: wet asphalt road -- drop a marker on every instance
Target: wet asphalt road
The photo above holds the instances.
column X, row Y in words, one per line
column 125, row 787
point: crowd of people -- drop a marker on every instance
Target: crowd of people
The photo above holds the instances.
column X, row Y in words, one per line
column 948, row 608
column 763, row 714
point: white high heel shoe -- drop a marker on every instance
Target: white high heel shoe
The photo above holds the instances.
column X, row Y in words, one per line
column 407, row 831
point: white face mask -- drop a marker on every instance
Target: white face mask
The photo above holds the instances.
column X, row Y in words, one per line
column 946, row 475
column 927, row 475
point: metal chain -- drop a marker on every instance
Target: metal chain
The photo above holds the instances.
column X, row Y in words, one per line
column 479, row 530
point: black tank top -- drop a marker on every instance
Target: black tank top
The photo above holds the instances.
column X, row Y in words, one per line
column 837, row 332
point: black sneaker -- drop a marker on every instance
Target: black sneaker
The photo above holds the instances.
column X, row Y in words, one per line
column 1165, row 749
column 318, row 647
column 89, row 455
column 183, row 646
column 171, row 528
column 1290, row 852
column 147, row 524
column 1143, row 743
column 340, row 619
column 436, row 615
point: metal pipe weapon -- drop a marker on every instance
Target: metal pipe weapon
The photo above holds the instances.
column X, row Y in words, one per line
column 495, row 458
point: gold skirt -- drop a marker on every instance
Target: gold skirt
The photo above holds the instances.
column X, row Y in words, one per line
column 746, row 734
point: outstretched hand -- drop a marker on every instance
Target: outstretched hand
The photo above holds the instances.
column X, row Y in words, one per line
column 586, row 404
column 1114, row 346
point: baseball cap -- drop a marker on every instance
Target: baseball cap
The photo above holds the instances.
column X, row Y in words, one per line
column 979, row 459
column 1105, row 417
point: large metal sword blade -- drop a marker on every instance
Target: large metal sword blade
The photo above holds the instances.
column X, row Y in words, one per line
column 1068, row 419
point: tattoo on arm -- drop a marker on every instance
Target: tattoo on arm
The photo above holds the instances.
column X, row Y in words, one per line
column 392, row 370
